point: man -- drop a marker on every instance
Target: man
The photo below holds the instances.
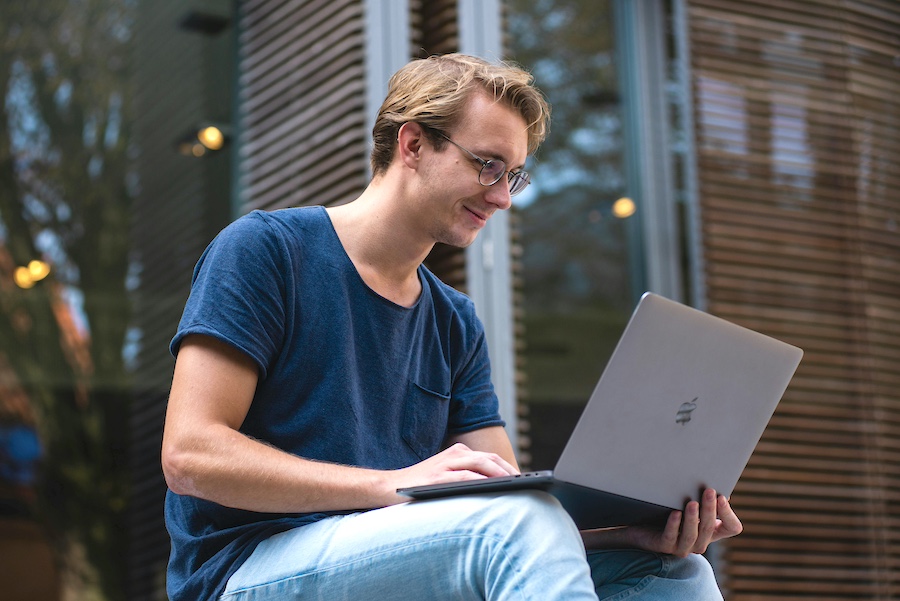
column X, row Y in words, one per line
column 320, row 367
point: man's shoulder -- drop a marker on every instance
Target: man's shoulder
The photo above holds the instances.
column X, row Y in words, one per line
column 280, row 228
column 293, row 217
column 446, row 290
column 449, row 298
column 277, row 221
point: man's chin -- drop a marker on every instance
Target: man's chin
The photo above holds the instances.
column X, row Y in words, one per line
column 459, row 241
column 463, row 243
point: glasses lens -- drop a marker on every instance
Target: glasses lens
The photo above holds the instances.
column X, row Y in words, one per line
column 518, row 181
column 491, row 172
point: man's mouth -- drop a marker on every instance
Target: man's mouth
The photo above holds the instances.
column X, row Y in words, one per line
column 478, row 214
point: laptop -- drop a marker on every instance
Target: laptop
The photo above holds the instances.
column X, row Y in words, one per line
column 680, row 407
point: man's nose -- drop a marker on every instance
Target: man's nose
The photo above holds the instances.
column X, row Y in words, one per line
column 498, row 194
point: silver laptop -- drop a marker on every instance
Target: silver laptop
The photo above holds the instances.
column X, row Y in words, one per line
column 680, row 407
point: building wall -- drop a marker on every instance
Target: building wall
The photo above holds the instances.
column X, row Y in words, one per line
column 797, row 113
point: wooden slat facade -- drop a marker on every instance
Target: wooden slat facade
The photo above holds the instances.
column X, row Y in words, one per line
column 302, row 102
column 797, row 112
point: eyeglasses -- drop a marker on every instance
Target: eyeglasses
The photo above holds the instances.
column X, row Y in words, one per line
column 492, row 170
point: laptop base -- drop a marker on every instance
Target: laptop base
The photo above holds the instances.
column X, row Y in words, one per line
column 588, row 508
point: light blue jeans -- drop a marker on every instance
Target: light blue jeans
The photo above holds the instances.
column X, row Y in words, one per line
column 520, row 546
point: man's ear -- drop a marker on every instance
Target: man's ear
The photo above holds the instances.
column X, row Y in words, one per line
column 410, row 139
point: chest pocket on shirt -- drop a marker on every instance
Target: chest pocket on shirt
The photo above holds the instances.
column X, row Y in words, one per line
column 425, row 419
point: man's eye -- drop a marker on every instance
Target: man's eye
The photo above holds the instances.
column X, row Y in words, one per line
column 494, row 168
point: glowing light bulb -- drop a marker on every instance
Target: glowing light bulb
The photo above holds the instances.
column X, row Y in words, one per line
column 211, row 137
column 624, row 207
column 38, row 270
column 22, row 277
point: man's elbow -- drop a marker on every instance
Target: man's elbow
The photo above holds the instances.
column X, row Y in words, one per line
column 176, row 467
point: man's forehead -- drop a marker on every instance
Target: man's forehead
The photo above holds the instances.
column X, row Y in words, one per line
column 494, row 127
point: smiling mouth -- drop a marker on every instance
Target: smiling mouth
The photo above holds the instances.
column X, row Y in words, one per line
column 480, row 216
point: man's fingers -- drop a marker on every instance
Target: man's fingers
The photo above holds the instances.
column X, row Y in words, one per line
column 708, row 521
column 461, row 457
column 487, row 464
column 690, row 526
column 730, row 524
column 507, row 467
column 690, row 530
column 670, row 535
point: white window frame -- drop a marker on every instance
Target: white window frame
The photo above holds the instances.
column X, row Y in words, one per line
column 488, row 259
column 387, row 49
column 640, row 44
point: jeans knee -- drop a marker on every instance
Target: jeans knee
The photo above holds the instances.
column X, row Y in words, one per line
column 629, row 571
column 696, row 566
column 534, row 514
column 696, row 572
column 532, row 506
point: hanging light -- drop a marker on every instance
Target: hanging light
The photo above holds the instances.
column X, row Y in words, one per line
column 203, row 139
column 211, row 137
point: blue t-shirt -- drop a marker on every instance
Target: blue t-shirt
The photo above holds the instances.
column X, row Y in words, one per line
column 345, row 375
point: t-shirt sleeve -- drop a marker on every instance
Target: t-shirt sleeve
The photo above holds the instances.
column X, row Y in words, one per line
column 473, row 402
column 238, row 291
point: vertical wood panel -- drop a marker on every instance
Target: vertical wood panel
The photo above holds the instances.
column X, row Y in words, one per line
column 302, row 99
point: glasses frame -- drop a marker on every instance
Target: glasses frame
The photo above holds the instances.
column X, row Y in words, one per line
column 517, row 180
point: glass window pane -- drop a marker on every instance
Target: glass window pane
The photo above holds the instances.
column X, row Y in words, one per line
column 575, row 226
column 102, row 178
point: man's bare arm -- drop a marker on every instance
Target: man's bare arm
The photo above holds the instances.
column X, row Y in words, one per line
column 204, row 455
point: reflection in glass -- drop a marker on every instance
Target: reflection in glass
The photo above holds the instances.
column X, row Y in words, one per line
column 573, row 218
column 64, row 222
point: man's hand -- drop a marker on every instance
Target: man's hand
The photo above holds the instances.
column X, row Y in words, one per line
column 688, row 531
column 454, row 464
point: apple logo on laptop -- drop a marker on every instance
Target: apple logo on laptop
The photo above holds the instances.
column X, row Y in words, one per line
column 684, row 412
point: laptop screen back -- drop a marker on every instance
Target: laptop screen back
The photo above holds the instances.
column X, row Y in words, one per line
column 680, row 406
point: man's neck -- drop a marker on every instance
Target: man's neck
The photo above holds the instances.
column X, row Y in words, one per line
column 384, row 247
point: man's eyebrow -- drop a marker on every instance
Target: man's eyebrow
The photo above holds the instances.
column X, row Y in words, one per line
column 496, row 156
column 514, row 168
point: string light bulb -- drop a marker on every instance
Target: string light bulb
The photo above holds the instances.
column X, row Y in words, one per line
column 27, row 276
column 38, row 270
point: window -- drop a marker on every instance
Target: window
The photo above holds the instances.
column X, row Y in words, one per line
column 580, row 263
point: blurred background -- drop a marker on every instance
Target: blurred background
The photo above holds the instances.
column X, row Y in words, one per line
column 742, row 156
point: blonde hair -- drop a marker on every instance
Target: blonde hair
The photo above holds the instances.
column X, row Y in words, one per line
column 434, row 91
